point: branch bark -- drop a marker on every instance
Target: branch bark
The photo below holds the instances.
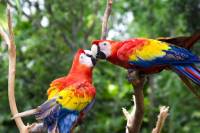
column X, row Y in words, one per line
column 134, row 119
column 107, row 13
column 9, row 39
column 161, row 119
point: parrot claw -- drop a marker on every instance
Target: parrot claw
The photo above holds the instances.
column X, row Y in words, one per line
column 135, row 77
column 130, row 70
column 130, row 79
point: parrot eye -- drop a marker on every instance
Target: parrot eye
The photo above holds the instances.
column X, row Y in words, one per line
column 86, row 60
column 81, row 57
column 105, row 48
column 104, row 44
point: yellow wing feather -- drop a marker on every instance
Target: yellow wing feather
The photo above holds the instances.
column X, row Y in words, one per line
column 69, row 100
column 149, row 51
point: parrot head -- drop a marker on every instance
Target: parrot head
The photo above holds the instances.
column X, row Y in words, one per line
column 82, row 65
column 102, row 49
column 84, row 58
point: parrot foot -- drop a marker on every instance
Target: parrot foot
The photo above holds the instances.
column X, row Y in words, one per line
column 135, row 77
column 131, row 70
column 36, row 127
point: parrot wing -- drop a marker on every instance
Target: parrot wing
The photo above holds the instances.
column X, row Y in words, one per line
column 70, row 98
column 150, row 53
column 65, row 105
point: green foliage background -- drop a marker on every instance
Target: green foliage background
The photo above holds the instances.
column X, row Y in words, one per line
column 45, row 52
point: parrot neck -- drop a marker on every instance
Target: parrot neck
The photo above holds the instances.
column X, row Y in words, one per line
column 115, row 48
column 81, row 71
column 114, row 58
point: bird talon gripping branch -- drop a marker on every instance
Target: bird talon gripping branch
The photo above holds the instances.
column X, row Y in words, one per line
column 132, row 76
column 136, row 78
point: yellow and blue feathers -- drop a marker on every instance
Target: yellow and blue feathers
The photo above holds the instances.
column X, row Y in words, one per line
column 155, row 54
column 62, row 109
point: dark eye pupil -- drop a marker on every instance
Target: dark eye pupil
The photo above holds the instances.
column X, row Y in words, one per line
column 104, row 44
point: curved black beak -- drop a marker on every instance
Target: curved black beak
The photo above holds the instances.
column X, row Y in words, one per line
column 100, row 54
column 94, row 61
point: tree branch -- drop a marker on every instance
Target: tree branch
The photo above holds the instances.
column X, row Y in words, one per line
column 107, row 13
column 9, row 39
column 134, row 119
column 161, row 119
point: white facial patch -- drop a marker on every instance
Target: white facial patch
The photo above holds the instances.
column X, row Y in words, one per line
column 88, row 52
column 94, row 50
column 84, row 59
column 105, row 47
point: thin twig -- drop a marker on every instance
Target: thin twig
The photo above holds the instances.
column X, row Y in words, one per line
column 107, row 13
column 161, row 119
column 25, row 113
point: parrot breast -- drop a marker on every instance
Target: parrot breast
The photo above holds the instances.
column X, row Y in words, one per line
column 73, row 97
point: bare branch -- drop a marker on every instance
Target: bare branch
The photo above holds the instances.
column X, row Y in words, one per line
column 107, row 13
column 161, row 119
column 25, row 113
column 9, row 39
column 134, row 119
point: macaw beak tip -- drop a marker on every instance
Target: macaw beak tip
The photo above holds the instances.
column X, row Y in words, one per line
column 101, row 55
column 94, row 61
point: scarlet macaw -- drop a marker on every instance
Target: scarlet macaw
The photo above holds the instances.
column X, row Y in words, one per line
column 148, row 56
column 69, row 97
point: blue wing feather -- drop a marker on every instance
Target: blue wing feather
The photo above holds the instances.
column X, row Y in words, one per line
column 173, row 56
column 89, row 106
column 57, row 118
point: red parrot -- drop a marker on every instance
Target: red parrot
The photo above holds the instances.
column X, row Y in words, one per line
column 148, row 56
column 69, row 97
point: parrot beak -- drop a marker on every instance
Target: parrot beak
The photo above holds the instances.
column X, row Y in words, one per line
column 94, row 50
column 94, row 61
column 97, row 53
column 89, row 54
column 100, row 54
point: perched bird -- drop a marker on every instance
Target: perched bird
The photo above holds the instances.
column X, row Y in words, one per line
column 69, row 97
column 148, row 56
